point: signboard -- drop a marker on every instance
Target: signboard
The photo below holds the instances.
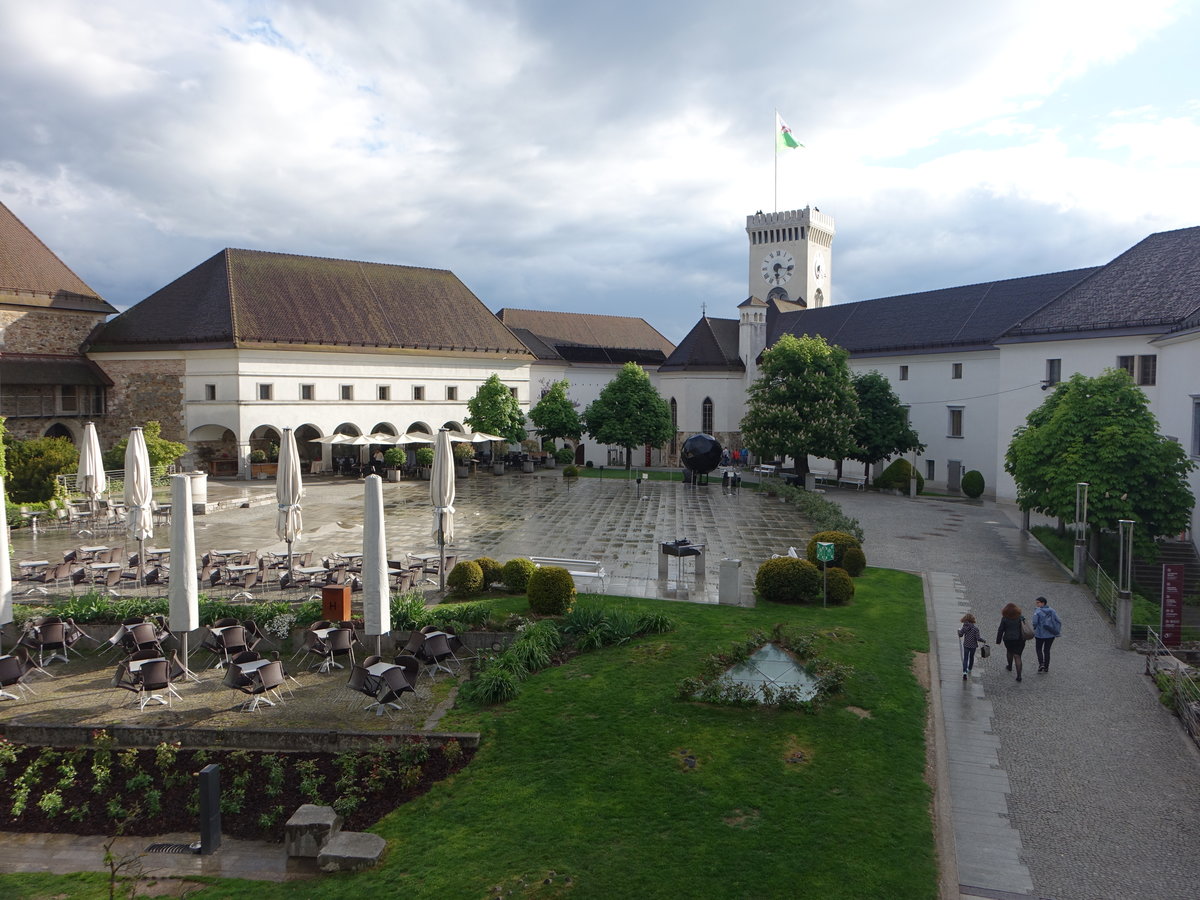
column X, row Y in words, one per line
column 824, row 551
column 1172, row 604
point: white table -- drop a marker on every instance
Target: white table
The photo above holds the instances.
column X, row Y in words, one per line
column 135, row 665
column 253, row 665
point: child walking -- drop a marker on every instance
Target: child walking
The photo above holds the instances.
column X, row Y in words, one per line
column 971, row 639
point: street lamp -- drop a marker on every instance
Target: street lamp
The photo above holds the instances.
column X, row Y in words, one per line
column 1081, row 504
column 1124, row 580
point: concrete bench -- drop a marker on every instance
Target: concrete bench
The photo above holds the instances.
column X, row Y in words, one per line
column 858, row 482
column 579, row 568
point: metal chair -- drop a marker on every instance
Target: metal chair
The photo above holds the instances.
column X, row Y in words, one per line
column 267, row 680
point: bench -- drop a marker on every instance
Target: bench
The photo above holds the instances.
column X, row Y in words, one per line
column 858, row 482
column 764, row 470
column 824, row 477
column 578, row 568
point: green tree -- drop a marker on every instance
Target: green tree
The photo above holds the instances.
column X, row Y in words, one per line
column 495, row 410
column 802, row 403
column 33, row 464
column 555, row 416
column 882, row 430
column 629, row 413
column 3, row 460
column 1101, row 430
column 161, row 451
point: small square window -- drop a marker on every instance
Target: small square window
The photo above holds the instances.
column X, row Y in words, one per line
column 451, row 392
column 383, row 392
column 956, row 370
column 418, row 392
column 265, row 391
column 1147, row 370
column 346, row 391
column 513, row 391
column 954, row 427
column 1053, row 372
column 308, row 391
column 210, row 392
column 904, row 373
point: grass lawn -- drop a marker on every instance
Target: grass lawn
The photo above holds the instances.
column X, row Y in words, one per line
column 584, row 777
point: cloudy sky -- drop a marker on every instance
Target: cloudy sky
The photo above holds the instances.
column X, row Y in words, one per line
column 598, row 157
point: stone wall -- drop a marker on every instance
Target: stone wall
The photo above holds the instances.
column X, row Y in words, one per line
column 46, row 330
column 143, row 390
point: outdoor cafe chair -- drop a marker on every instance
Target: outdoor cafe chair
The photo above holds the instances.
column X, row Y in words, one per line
column 411, row 666
column 266, row 680
column 394, row 685
column 28, row 665
column 256, row 633
column 312, row 646
column 12, row 674
column 247, row 581
column 339, row 642
column 155, row 676
column 51, row 636
column 363, row 682
column 143, row 636
column 435, row 652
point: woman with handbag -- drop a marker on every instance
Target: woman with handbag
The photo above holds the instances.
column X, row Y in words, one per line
column 1012, row 632
column 971, row 639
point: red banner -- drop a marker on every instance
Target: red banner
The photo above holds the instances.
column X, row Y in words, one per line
column 1172, row 604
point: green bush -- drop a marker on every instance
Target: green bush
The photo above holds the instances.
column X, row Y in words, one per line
column 464, row 453
column 839, row 586
column 564, row 455
column 493, row 572
column 841, row 543
column 785, row 579
column 822, row 514
column 972, row 483
column 854, row 561
column 493, row 685
column 571, row 472
column 896, row 477
column 465, row 578
column 515, row 574
column 551, row 591
column 424, row 457
column 394, row 457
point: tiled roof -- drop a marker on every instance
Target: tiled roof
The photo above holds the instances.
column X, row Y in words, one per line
column 588, row 337
column 245, row 297
column 711, row 345
column 32, row 368
column 968, row 316
column 1155, row 284
column 31, row 275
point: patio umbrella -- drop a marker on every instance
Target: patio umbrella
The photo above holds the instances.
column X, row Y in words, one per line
column 376, row 600
column 414, row 437
column 480, row 437
column 441, row 495
column 330, row 439
column 90, row 477
column 6, row 603
column 139, row 495
column 185, row 605
column 289, row 490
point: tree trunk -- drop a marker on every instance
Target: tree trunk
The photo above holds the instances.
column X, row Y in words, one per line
column 801, row 465
column 628, row 458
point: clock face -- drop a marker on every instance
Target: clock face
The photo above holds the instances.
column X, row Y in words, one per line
column 819, row 266
column 778, row 267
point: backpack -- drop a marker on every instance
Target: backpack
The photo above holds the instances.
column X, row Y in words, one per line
column 1053, row 624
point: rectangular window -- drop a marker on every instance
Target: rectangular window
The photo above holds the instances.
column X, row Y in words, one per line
column 308, row 391
column 956, row 370
column 383, row 392
column 904, row 373
column 346, row 391
column 930, row 468
column 265, row 391
column 1195, row 426
column 954, row 427
column 210, row 392
column 1147, row 373
column 1053, row 372
column 513, row 391
column 451, row 392
column 1126, row 363
column 418, row 392
column 68, row 398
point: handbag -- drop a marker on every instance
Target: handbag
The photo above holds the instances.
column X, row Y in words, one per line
column 984, row 651
column 1026, row 630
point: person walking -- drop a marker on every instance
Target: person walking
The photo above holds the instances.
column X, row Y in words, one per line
column 1046, row 627
column 971, row 639
column 1010, row 634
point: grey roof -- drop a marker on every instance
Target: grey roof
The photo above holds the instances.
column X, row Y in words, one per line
column 250, row 297
column 1154, row 285
column 38, row 368
column 711, row 345
column 587, row 337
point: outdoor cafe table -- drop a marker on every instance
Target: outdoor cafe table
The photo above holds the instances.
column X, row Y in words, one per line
column 135, row 665
column 156, row 552
column 227, row 553
column 253, row 665
column 92, row 551
column 31, row 566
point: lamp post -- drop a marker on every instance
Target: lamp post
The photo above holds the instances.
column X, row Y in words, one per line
column 1081, row 503
column 1124, row 579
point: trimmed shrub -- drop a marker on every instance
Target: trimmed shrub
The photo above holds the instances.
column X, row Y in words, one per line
column 785, row 579
column 424, row 457
column 854, row 561
column 571, row 472
column 493, row 572
column 972, row 484
column 551, row 591
column 896, row 477
column 465, row 578
column 841, row 543
column 839, row 585
column 515, row 574
column 564, row 455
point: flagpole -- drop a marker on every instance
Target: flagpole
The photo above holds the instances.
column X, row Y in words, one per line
column 775, row 151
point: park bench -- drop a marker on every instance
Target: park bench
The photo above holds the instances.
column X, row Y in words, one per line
column 858, row 482
column 764, row 470
column 579, row 568
column 824, row 477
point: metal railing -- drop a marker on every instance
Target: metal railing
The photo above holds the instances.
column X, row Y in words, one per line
column 159, row 476
column 38, row 406
column 1103, row 587
column 1176, row 680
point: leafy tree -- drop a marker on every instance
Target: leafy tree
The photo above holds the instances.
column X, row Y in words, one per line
column 161, row 451
column 495, row 410
column 629, row 413
column 3, row 460
column 554, row 416
column 802, row 402
column 883, row 429
column 33, row 464
column 1100, row 430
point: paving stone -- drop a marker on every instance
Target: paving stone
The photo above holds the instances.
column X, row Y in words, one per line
column 351, row 851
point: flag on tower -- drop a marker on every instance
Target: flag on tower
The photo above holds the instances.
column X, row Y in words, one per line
column 783, row 135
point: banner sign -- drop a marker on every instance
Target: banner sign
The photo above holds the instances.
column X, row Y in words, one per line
column 1172, row 604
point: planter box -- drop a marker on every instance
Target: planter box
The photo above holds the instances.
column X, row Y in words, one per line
column 498, row 469
column 264, row 470
column 393, row 475
column 462, row 471
column 527, row 466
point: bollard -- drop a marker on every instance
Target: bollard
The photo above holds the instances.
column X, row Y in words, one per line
column 210, row 810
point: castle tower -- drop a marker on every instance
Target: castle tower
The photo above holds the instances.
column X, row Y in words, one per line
column 791, row 256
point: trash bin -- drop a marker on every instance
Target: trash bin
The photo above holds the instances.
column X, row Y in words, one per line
column 335, row 602
column 199, row 482
column 730, row 590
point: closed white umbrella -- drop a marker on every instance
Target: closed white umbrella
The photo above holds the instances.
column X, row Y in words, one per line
column 139, row 495
column 441, row 495
column 90, row 478
column 6, row 603
column 185, row 604
column 376, row 600
column 289, row 491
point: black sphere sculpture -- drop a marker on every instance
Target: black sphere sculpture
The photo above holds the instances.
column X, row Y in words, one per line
column 701, row 453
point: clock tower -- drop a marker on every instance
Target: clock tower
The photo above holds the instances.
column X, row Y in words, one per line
column 790, row 256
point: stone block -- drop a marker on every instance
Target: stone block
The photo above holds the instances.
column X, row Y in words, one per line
column 351, row 851
column 309, row 829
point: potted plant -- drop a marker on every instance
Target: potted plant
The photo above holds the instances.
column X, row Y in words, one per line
column 550, row 455
column 564, row 455
column 393, row 458
column 424, row 460
column 259, row 467
column 463, row 454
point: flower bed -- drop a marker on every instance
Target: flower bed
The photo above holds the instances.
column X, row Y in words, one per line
column 95, row 789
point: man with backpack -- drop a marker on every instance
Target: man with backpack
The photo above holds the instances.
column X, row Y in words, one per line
column 1046, row 627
